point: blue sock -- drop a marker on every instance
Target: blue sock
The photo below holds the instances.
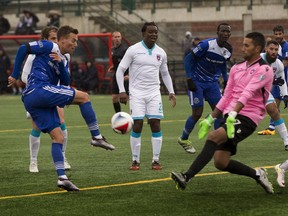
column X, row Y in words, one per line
column 90, row 118
column 58, row 158
column 271, row 124
column 217, row 123
column 189, row 125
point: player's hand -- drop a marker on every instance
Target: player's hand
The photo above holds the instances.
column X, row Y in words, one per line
column 172, row 98
column 191, row 85
column 230, row 121
column 278, row 81
column 285, row 100
column 205, row 125
column 123, row 97
column 55, row 56
column 11, row 81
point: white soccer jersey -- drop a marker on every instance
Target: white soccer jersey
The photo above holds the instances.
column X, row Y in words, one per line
column 278, row 69
column 144, row 66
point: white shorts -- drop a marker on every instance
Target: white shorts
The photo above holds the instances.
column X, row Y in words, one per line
column 270, row 99
column 149, row 106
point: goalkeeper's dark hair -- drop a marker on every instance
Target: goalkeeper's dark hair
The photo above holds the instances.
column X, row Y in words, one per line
column 46, row 32
column 64, row 31
column 148, row 24
column 272, row 42
column 258, row 39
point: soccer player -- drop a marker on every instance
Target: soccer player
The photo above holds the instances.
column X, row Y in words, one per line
column 42, row 94
column 243, row 105
column 145, row 60
column 118, row 52
column 48, row 33
column 279, row 89
column 278, row 31
column 203, row 66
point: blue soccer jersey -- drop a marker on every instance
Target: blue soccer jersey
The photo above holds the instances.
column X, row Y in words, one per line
column 207, row 61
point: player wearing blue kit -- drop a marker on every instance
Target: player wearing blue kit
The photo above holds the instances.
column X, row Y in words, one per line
column 278, row 31
column 42, row 94
column 203, row 66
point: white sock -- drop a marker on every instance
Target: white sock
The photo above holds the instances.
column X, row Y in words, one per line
column 156, row 146
column 34, row 143
column 284, row 165
column 63, row 177
column 281, row 128
column 135, row 144
column 65, row 135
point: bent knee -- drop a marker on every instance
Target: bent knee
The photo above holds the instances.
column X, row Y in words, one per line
column 220, row 165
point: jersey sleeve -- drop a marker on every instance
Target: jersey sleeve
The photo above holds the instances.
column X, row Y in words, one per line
column 27, row 68
column 200, row 49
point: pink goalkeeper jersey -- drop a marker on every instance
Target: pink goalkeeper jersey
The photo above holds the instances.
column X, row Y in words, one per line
column 250, row 85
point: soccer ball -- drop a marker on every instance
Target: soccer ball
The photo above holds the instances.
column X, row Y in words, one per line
column 121, row 122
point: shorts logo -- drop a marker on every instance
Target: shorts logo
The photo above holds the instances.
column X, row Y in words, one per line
column 196, row 100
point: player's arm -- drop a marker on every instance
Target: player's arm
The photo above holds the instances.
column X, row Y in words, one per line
column 188, row 65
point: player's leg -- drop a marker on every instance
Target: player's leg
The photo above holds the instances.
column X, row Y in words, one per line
column 65, row 135
column 89, row 115
column 279, row 123
column 115, row 95
column 154, row 113
column 34, row 145
column 138, row 108
column 196, row 102
column 58, row 159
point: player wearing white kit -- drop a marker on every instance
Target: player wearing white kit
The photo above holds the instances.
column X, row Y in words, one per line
column 145, row 60
column 279, row 89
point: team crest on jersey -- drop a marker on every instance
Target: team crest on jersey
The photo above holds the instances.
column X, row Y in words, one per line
column 262, row 77
column 274, row 69
column 158, row 57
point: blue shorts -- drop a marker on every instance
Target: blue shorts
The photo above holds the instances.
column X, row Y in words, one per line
column 42, row 104
column 276, row 92
column 210, row 91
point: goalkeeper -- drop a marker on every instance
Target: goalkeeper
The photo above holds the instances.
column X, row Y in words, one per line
column 243, row 105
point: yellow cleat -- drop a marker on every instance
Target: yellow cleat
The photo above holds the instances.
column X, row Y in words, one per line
column 267, row 132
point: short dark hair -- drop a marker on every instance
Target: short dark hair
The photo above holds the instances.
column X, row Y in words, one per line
column 225, row 24
column 64, row 31
column 257, row 38
column 46, row 31
column 272, row 42
column 278, row 28
column 148, row 24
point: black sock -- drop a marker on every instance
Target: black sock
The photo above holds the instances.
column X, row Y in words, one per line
column 117, row 107
column 236, row 167
column 202, row 159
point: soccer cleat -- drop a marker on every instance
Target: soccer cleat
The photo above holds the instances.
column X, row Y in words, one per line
column 280, row 175
column 156, row 165
column 286, row 147
column 33, row 167
column 135, row 165
column 187, row 146
column 267, row 132
column 179, row 179
column 102, row 143
column 264, row 182
column 67, row 166
column 66, row 184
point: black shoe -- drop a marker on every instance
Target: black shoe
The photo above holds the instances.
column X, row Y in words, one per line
column 179, row 179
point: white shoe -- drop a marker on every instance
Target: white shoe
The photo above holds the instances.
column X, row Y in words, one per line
column 264, row 182
column 66, row 184
column 280, row 175
column 67, row 166
column 33, row 168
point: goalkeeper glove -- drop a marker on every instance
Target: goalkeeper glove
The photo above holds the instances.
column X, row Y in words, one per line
column 205, row 125
column 230, row 124
column 278, row 81
column 285, row 100
column 191, row 85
